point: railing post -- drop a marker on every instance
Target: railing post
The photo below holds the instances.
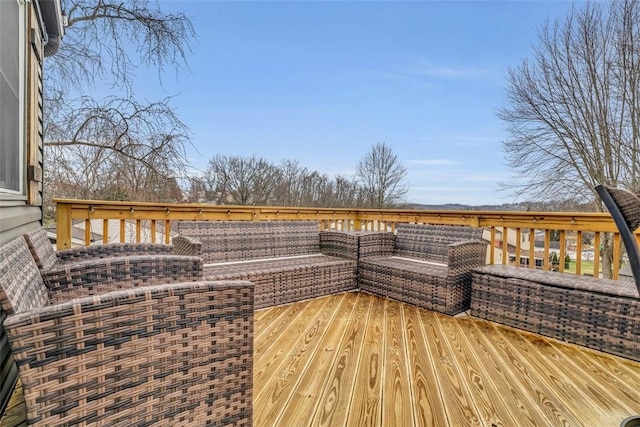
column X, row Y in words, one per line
column 357, row 223
column 63, row 226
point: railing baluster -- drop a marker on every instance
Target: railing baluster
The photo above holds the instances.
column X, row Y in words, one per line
column 547, row 251
column 505, row 245
column 532, row 248
column 579, row 252
column 615, row 270
column 138, row 230
column 122, row 231
column 87, row 232
column 492, row 246
column 105, row 231
column 153, row 231
column 563, row 249
column 518, row 249
column 596, row 255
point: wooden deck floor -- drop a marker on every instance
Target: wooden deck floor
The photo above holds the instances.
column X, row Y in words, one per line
column 357, row 360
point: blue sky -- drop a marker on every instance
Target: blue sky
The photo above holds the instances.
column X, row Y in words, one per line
column 322, row 82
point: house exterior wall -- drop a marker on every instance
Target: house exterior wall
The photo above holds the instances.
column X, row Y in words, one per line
column 22, row 42
column 21, row 210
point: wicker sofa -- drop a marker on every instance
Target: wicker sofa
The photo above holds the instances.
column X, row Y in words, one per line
column 136, row 355
column 425, row 265
column 597, row 313
column 286, row 260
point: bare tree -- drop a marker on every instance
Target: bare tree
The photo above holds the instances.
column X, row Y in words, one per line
column 382, row 178
column 101, row 36
column 105, row 43
column 240, row 181
column 573, row 110
column 299, row 186
column 289, row 191
column 255, row 181
column 150, row 134
column 346, row 192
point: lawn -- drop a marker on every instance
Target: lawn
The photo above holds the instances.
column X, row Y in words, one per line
column 586, row 268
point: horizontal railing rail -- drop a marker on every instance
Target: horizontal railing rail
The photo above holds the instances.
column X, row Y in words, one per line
column 518, row 231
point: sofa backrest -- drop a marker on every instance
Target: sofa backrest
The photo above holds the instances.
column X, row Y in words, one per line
column 430, row 242
column 21, row 285
column 249, row 240
column 41, row 248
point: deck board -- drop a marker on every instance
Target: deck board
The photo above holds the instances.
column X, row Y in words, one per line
column 427, row 411
column 309, row 387
column 281, row 384
column 366, row 399
column 16, row 412
column 478, row 383
column 396, row 398
column 539, row 392
column 354, row 359
column 513, row 403
column 460, row 409
column 335, row 401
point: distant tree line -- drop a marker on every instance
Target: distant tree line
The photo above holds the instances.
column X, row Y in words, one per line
column 379, row 182
column 84, row 173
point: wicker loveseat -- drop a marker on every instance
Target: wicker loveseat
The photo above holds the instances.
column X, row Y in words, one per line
column 286, row 260
column 167, row 354
column 425, row 265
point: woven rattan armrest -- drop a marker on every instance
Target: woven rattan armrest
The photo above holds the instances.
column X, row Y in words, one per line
column 107, row 274
column 465, row 255
column 339, row 244
column 153, row 355
column 377, row 244
column 187, row 245
column 356, row 245
column 112, row 250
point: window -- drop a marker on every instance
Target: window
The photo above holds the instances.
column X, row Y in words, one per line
column 12, row 41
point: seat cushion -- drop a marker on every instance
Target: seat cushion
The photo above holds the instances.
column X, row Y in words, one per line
column 413, row 265
column 563, row 280
column 285, row 280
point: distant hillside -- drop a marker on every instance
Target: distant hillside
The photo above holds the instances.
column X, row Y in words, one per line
column 567, row 206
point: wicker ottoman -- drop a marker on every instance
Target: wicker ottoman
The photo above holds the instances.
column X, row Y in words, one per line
column 597, row 313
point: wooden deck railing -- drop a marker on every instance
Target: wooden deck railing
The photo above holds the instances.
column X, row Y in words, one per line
column 137, row 221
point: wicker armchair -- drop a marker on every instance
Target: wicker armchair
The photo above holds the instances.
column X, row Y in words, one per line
column 177, row 354
column 101, row 267
column 624, row 207
column 46, row 257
